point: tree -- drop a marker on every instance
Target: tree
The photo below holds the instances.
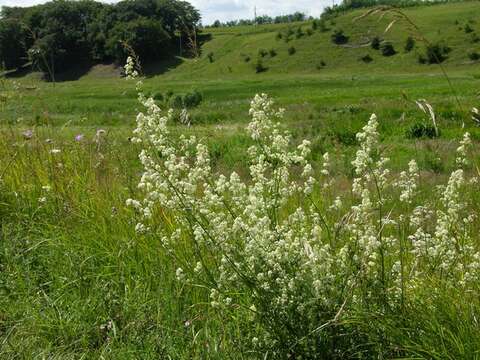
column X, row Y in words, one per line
column 61, row 34
column 146, row 37
column 12, row 44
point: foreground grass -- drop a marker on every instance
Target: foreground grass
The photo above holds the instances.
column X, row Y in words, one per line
column 77, row 281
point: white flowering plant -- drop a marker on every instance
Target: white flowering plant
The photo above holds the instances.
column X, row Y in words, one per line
column 279, row 249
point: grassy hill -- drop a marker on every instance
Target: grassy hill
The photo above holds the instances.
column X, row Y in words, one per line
column 316, row 54
column 318, row 79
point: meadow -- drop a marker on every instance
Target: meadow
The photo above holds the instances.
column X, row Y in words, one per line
column 80, row 279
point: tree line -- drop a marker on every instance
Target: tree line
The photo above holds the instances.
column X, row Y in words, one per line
column 261, row 20
column 59, row 34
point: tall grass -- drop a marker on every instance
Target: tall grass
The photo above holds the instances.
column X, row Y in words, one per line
column 285, row 260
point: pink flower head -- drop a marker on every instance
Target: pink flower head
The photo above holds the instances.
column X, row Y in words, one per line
column 27, row 134
column 79, row 137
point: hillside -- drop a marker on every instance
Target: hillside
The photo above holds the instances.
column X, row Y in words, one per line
column 230, row 48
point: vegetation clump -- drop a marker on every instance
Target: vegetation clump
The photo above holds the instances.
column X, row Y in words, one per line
column 474, row 56
column 262, row 53
column 339, row 38
column 366, row 58
column 387, row 49
column 420, row 130
column 435, row 53
column 376, row 42
column 259, row 66
column 409, row 44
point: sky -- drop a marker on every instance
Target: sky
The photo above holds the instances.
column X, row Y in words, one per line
column 225, row 10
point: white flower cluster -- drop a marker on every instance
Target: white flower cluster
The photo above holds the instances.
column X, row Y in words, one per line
column 266, row 237
column 130, row 71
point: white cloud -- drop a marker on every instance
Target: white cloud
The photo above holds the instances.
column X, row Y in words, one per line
column 225, row 10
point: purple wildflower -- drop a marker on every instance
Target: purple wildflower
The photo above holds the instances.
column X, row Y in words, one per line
column 27, row 134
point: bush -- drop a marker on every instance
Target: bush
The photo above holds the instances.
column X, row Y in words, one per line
column 192, row 99
column 474, row 56
column 279, row 36
column 366, row 59
column 262, row 53
column 409, row 44
column 315, row 24
column 210, row 57
column 387, row 49
column 259, row 67
column 176, row 102
column 272, row 53
column 246, row 58
column 468, row 29
column 288, row 34
column 421, row 130
column 309, row 32
column 299, row 33
column 375, row 44
column 292, row 50
column 434, row 54
column 339, row 38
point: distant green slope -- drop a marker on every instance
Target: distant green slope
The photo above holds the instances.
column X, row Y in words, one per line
column 231, row 46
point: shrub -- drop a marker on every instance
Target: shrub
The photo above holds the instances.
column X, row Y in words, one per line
column 262, row 53
column 468, row 29
column 339, row 38
column 315, row 24
column 156, row 95
column 176, row 102
column 272, row 53
column 299, row 33
column 434, row 54
column 279, row 36
column 345, row 137
column 321, row 65
column 366, row 59
column 259, row 67
column 375, row 44
column 387, row 49
column 475, row 38
column 421, row 130
column 192, row 99
column 246, row 58
column 288, row 34
column 309, row 32
column 474, row 56
column 409, row 44
column 210, row 57
column 292, row 50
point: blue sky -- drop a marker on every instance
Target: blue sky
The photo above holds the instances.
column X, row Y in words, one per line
column 233, row 9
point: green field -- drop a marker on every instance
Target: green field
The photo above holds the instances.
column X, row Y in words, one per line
column 77, row 281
